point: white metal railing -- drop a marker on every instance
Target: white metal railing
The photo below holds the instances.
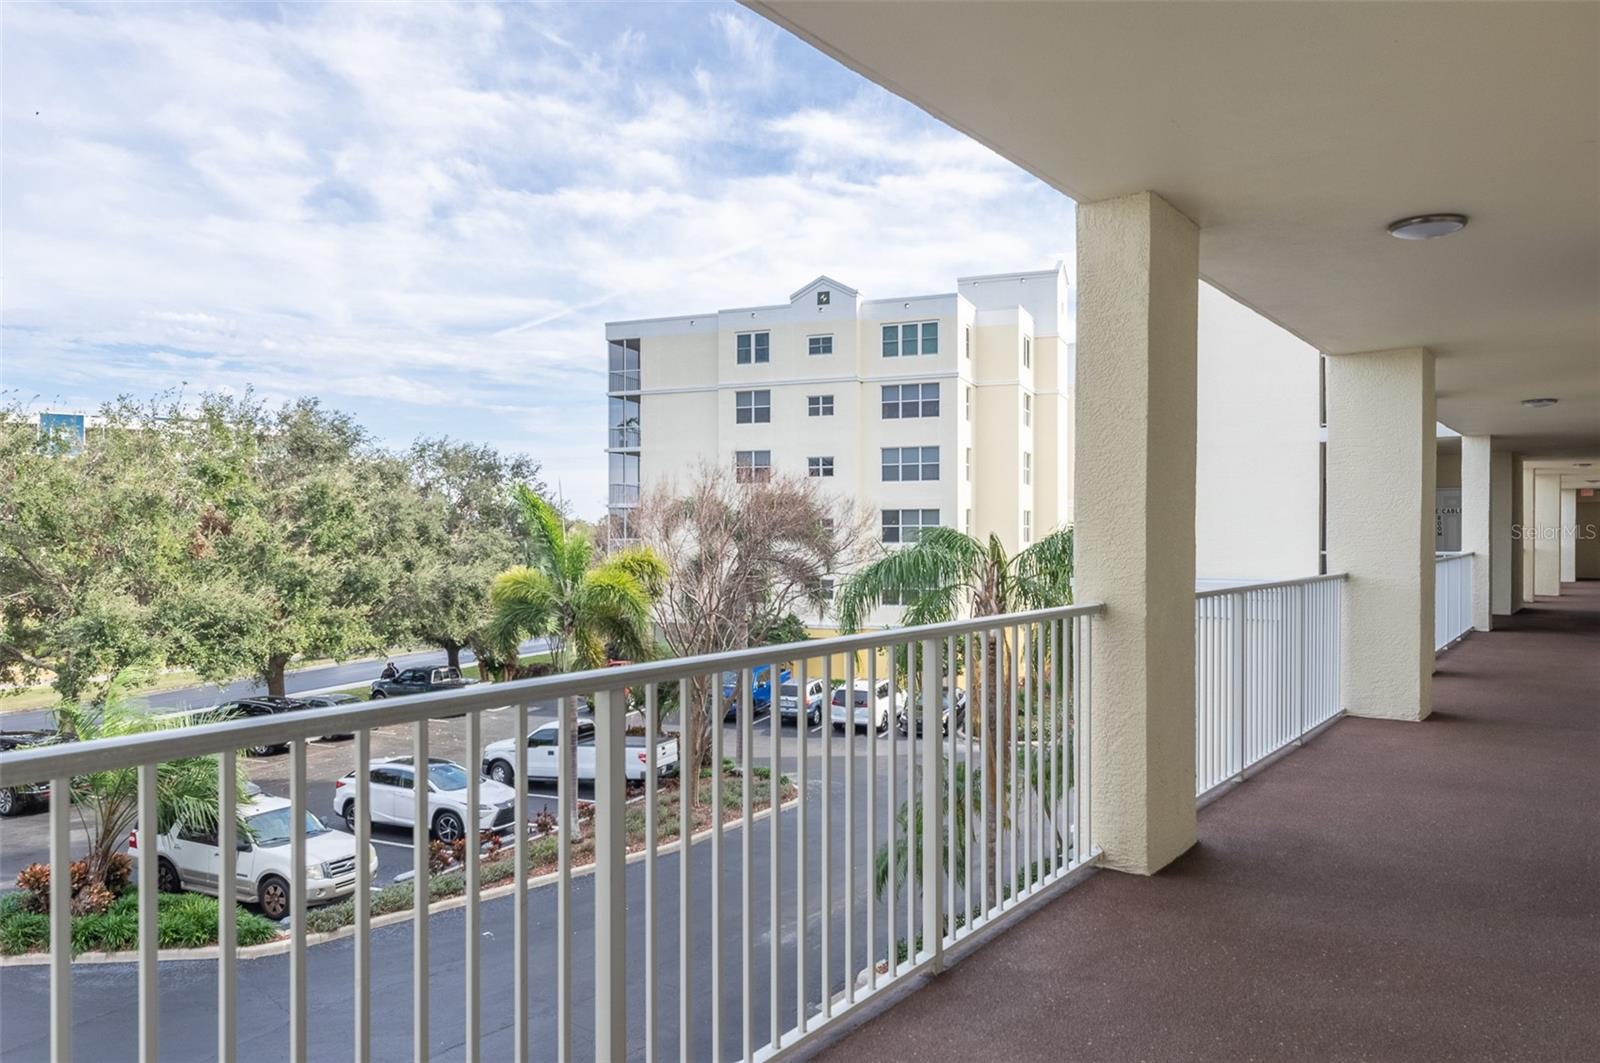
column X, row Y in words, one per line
column 760, row 970
column 1266, row 671
column 1452, row 597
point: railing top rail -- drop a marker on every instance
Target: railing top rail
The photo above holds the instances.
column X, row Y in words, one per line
column 77, row 758
column 1240, row 588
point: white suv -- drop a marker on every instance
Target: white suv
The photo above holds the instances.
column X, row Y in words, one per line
column 394, row 804
column 188, row 858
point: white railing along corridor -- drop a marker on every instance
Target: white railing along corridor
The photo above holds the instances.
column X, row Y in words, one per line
column 1266, row 671
column 895, row 843
column 1452, row 597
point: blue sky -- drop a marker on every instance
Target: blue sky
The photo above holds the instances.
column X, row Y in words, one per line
column 424, row 213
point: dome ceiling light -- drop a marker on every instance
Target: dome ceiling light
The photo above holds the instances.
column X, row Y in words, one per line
column 1427, row 226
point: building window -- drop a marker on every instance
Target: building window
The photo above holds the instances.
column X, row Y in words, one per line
column 624, row 358
column 752, row 348
column 624, row 478
column 819, row 344
column 968, row 465
column 907, row 525
column 752, row 407
column 969, row 522
column 752, row 466
column 1027, row 351
column 819, row 466
column 624, row 422
column 1027, row 467
column 910, row 400
column 911, row 339
column 827, row 525
column 966, row 341
column 1027, row 525
column 969, row 403
column 824, row 589
column 910, row 463
column 819, row 405
column 1027, row 410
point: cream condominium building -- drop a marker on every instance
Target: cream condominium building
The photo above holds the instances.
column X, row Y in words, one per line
column 947, row 410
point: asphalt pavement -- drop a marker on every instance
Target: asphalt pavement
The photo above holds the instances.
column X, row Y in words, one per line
column 107, row 995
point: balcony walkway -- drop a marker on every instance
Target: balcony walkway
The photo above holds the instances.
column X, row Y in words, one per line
column 1390, row 892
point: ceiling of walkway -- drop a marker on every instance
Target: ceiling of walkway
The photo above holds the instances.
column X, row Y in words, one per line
column 1293, row 134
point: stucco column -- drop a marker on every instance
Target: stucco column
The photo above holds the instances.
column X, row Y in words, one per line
column 1547, row 534
column 1381, row 457
column 1569, row 539
column 1138, row 276
column 1502, row 559
column 1527, row 531
column 1486, row 526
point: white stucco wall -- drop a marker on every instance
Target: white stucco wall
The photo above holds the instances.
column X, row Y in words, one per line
column 1257, row 464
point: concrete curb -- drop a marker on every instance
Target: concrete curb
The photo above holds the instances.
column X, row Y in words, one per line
column 281, row 945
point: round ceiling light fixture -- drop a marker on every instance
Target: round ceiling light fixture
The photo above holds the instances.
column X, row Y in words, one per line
column 1538, row 404
column 1427, row 226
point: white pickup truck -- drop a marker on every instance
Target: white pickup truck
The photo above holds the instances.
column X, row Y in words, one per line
column 542, row 758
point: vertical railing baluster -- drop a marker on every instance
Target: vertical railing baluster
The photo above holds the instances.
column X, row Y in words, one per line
column 1013, row 886
column 567, row 831
column 688, row 778
column 420, row 892
column 774, row 846
column 825, row 943
column 519, row 892
column 850, row 821
column 651, row 840
column 362, row 942
column 470, row 853
column 932, row 916
column 717, row 910
column 227, row 902
column 149, row 940
column 747, row 781
column 916, row 691
column 986, row 725
column 61, row 914
column 610, row 877
column 298, row 1034
column 948, row 722
column 891, row 829
column 802, row 864
column 966, row 777
column 872, row 823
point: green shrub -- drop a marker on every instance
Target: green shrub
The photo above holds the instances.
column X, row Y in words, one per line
column 330, row 917
column 109, row 932
column 24, row 932
column 395, row 897
column 12, row 904
column 252, row 929
column 186, row 920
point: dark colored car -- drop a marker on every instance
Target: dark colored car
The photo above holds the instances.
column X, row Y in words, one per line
column 266, row 705
column 328, row 701
column 419, row 681
column 15, row 800
column 944, row 717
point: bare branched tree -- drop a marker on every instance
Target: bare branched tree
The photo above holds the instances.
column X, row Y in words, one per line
column 743, row 556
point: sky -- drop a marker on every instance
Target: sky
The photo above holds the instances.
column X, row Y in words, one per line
column 423, row 213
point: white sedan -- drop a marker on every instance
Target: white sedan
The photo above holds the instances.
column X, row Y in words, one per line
column 392, row 783
column 872, row 707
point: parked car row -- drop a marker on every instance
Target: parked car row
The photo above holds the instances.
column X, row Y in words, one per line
column 541, row 757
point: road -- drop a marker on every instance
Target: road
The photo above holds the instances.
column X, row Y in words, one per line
column 107, row 1013
column 321, row 677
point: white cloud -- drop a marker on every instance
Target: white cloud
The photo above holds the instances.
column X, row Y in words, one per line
column 424, row 213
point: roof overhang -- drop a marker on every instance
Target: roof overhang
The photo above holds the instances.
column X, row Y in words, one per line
column 1293, row 133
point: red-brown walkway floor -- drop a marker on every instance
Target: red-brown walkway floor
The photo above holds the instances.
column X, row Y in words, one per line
column 1392, row 891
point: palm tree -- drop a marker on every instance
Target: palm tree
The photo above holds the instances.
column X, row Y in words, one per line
column 944, row 573
column 107, row 802
column 586, row 605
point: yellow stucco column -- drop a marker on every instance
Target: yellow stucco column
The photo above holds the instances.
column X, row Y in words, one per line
column 1138, row 275
column 1547, row 534
column 1382, row 450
